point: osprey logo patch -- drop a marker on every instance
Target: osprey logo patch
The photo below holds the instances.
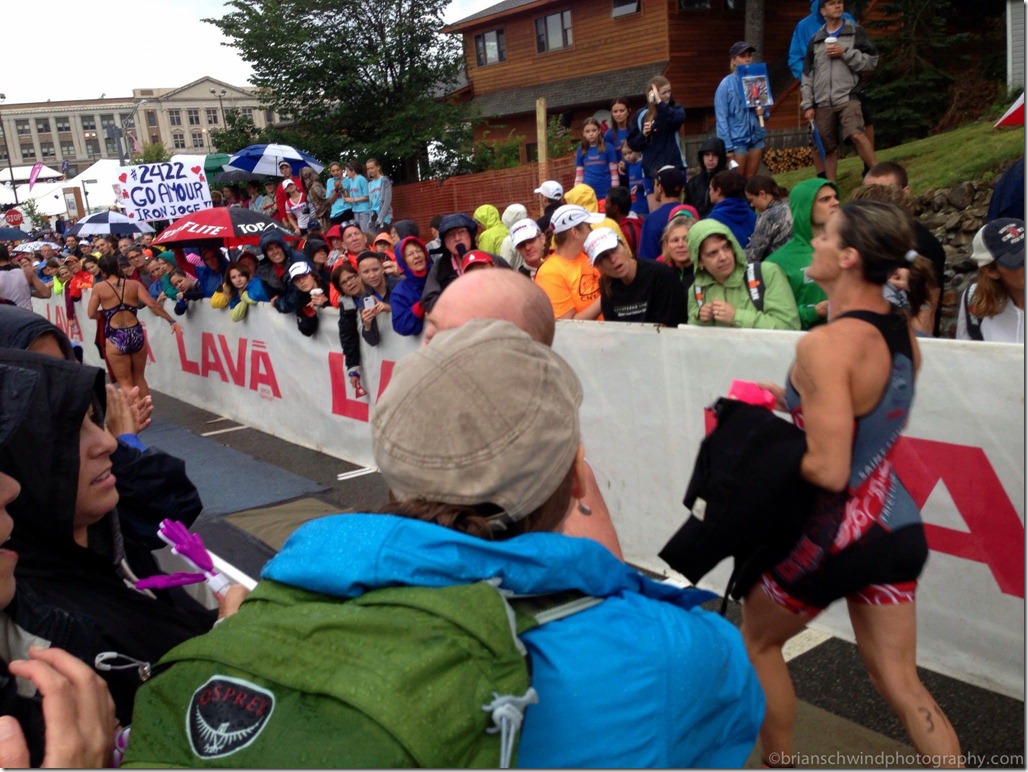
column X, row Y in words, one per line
column 226, row 715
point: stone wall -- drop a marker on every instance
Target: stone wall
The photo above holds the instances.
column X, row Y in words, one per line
column 954, row 215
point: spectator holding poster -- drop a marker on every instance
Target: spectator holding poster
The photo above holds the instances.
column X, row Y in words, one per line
column 740, row 126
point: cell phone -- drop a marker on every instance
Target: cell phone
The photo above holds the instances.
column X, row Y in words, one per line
column 369, row 302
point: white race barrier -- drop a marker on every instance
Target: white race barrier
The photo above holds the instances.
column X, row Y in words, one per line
column 645, row 388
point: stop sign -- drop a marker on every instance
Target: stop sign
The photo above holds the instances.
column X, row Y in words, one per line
column 13, row 217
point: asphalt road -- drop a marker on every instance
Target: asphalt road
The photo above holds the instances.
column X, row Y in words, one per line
column 842, row 720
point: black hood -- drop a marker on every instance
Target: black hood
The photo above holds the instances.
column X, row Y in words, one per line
column 43, row 453
column 19, row 327
column 406, row 228
column 718, row 146
column 274, row 236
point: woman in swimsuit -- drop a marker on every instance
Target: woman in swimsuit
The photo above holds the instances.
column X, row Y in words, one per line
column 116, row 300
column 851, row 388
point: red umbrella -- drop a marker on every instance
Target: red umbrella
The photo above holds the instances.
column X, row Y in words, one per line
column 1014, row 116
column 230, row 225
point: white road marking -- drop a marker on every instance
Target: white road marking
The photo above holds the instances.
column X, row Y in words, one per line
column 356, row 473
column 218, row 420
column 223, row 431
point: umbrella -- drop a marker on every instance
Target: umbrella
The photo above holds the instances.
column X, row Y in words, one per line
column 229, row 225
column 12, row 234
column 235, row 175
column 213, row 162
column 1014, row 116
column 264, row 159
column 34, row 246
column 107, row 222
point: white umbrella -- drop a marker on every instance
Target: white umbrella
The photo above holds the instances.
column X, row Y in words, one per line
column 34, row 246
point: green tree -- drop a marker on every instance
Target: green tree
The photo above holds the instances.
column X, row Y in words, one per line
column 35, row 216
column 559, row 139
column 909, row 90
column 153, row 152
column 355, row 78
column 239, row 132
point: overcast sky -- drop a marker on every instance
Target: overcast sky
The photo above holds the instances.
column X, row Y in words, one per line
column 160, row 44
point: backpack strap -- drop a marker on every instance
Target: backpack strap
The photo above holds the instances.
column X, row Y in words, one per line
column 755, row 284
column 974, row 323
column 697, row 292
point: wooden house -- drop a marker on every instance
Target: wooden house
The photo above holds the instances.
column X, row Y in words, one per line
column 581, row 54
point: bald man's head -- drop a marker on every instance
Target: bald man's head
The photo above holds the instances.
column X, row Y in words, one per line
column 505, row 295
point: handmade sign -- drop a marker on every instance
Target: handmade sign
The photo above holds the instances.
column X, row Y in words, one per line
column 756, row 88
column 162, row 191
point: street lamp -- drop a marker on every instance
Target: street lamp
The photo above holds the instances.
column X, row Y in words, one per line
column 123, row 152
column 220, row 95
column 7, row 152
column 86, row 192
column 90, row 137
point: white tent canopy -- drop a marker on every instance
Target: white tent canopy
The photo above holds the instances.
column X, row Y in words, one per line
column 98, row 180
column 22, row 173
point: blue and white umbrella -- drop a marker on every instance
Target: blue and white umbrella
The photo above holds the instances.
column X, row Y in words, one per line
column 103, row 223
column 265, row 159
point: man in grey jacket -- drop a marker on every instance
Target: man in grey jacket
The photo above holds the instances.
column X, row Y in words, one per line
column 836, row 56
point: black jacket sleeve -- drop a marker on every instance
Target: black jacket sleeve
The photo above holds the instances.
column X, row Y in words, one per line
column 348, row 339
column 152, row 485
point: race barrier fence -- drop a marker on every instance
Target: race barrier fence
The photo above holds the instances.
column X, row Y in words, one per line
column 962, row 457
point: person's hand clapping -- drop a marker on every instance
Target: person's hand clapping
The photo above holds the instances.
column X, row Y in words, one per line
column 77, row 708
column 119, row 418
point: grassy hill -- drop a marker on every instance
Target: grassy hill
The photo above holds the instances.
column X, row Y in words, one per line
column 973, row 151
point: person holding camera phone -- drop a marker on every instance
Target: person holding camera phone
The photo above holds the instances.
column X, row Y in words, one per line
column 377, row 287
column 654, row 131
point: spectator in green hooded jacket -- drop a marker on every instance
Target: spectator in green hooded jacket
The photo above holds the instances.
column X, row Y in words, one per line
column 720, row 296
column 491, row 230
column 812, row 202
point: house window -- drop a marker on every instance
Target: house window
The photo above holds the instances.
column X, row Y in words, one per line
column 197, row 139
column 175, row 117
column 212, row 116
column 3, row 153
column 43, row 125
column 28, row 151
column 531, row 152
column 21, row 126
column 248, row 113
column 68, row 149
column 269, row 117
column 553, row 32
column 63, row 123
column 47, row 150
column 693, row 5
column 88, row 122
column 151, row 118
column 490, row 48
column 93, row 147
column 107, row 120
column 179, row 140
column 112, row 145
column 625, row 7
column 194, row 117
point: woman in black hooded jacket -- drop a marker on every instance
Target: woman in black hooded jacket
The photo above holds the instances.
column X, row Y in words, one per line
column 76, row 565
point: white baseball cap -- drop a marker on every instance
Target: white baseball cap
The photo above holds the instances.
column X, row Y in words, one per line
column 287, row 183
column 568, row 216
column 550, row 189
column 299, row 268
column 523, row 230
column 598, row 242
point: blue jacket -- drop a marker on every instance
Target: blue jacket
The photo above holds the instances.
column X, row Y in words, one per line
column 662, row 146
column 737, row 124
column 692, row 700
column 408, row 314
column 653, row 231
column 738, row 216
column 805, row 29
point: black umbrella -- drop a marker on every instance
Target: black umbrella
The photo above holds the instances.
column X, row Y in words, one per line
column 107, row 222
column 236, row 175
